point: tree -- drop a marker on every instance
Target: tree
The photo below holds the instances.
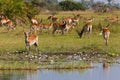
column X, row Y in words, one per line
column 70, row 5
column 16, row 9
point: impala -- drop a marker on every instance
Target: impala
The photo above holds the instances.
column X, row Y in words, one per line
column 4, row 20
column 87, row 29
column 106, row 33
column 44, row 26
column 112, row 19
column 59, row 26
column 34, row 21
column 31, row 39
column 53, row 18
column 88, row 20
column 34, row 27
column 76, row 18
column 69, row 26
column 8, row 23
column 68, row 20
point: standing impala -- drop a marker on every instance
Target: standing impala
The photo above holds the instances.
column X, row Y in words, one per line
column 59, row 26
column 106, row 33
column 31, row 39
column 34, row 27
column 8, row 23
column 53, row 18
column 34, row 21
column 44, row 26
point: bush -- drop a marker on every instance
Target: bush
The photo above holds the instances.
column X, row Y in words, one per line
column 70, row 5
column 16, row 9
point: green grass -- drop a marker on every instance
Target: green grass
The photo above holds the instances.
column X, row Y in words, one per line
column 14, row 40
column 17, row 65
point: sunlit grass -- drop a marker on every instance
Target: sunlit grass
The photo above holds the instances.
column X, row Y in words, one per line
column 14, row 40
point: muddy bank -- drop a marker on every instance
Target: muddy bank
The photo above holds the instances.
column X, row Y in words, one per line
column 59, row 60
column 58, row 56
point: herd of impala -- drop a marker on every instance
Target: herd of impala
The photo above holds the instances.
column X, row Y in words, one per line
column 62, row 26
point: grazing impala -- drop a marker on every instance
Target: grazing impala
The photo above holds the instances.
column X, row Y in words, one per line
column 31, row 39
column 106, row 33
column 87, row 29
column 59, row 26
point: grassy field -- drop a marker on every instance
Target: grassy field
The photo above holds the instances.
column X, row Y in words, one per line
column 14, row 40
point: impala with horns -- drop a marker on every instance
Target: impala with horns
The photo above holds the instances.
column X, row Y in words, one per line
column 105, row 32
column 31, row 39
column 87, row 29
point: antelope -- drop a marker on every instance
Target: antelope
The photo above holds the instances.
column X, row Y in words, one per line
column 34, row 27
column 69, row 26
column 53, row 18
column 112, row 19
column 34, row 21
column 76, row 18
column 31, row 39
column 59, row 26
column 105, row 32
column 88, row 20
column 4, row 20
column 87, row 28
column 8, row 23
column 46, row 26
column 68, row 20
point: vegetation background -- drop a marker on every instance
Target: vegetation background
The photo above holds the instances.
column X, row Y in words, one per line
column 19, row 10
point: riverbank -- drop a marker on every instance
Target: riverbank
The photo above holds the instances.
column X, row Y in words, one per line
column 60, row 60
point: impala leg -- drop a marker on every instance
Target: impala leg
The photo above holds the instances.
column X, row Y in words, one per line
column 36, row 46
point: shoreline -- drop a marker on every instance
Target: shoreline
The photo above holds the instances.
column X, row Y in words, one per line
column 60, row 60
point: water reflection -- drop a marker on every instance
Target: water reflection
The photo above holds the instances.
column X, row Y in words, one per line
column 97, row 73
column 15, row 75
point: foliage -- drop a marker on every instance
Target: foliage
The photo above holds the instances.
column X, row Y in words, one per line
column 70, row 5
column 14, row 9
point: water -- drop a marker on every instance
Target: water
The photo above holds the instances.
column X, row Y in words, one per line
column 97, row 73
